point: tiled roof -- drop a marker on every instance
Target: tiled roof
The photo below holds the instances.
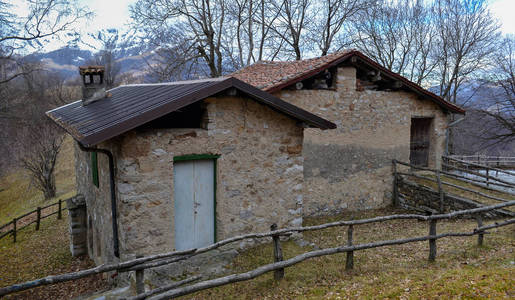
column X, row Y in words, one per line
column 267, row 75
column 272, row 76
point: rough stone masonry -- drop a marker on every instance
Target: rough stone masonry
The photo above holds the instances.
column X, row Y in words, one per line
column 350, row 168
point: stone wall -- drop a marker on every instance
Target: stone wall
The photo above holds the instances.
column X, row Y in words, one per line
column 422, row 198
column 259, row 177
column 349, row 168
column 98, row 203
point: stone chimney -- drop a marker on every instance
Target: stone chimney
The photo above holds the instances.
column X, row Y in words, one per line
column 93, row 84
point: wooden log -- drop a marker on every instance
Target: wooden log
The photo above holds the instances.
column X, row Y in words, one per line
column 480, row 166
column 455, row 186
column 6, row 233
column 480, row 236
column 278, row 253
column 163, row 289
column 349, row 262
column 59, row 214
column 507, row 184
column 49, row 205
column 125, row 265
column 487, row 177
column 38, row 217
column 6, row 224
column 140, row 275
column 395, row 184
column 440, row 190
column 14, row 230
column 292, row 261
column 432, row 242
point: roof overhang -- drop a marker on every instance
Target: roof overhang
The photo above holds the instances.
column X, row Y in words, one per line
column 91, row 124
column 355, row 57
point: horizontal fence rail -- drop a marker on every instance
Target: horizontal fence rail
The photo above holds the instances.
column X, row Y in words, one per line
column 469, row 164
column 32, row 217
column 490, row 180
column 485, row 160
column 173, row 290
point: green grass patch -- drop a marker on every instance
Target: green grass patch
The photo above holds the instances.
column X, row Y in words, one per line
column 18, row 195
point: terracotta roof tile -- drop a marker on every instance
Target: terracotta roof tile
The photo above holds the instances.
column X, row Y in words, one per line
column 272, row 76
column 267, row 75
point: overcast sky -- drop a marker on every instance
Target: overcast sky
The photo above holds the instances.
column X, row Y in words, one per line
column 115, row 14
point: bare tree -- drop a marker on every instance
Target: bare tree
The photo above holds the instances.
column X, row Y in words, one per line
column 45, row 19
column 467, row 36
column 400, row 35
column 498, row 119
column 205, row 21
column 40, row 158
column 328, row 22
column 37, row 139
column 109, row 40
column 291, row 25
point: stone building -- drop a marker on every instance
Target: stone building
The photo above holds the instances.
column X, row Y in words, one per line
column 379, row 114
column 181, row 165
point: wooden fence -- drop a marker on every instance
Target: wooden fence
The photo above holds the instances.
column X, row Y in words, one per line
column 176, row 289
column 483, row 160
column 483, row 183
column 34, row 216
column 488, row 179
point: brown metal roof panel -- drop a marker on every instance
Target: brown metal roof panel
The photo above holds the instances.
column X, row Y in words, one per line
column 134, row 108
column 131, row 106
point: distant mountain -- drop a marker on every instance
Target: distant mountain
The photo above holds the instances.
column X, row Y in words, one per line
column 476, row 94
column 66, row 61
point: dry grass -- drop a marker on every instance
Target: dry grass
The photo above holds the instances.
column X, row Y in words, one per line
column 45, row 252
column 462, row 270
column 18, row 195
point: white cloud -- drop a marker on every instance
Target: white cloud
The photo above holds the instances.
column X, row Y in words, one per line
column 108, row 14
column 504, row 11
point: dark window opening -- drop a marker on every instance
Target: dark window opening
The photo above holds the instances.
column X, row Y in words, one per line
column 94, row 168
column 191, row 116
column 323, row 81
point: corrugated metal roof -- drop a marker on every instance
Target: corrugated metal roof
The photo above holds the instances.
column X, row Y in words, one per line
column 127, row 107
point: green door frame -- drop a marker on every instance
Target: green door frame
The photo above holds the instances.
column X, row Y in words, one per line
column 213, row 157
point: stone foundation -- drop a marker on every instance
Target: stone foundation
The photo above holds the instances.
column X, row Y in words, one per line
column 77, row 225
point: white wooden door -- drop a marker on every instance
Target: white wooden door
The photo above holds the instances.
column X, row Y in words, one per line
column 194, row 193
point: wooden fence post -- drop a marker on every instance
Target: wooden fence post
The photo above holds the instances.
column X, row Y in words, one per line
column 14, row 230
column 480, row 235
column 278, row 253
column 440, row 190
column 349, row 263
column 140, row 275
column 38, row 218
column 432, row 242
column 487, row 177
column 395, row 185
column 59, row 213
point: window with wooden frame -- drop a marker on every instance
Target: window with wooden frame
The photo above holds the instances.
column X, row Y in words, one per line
column 94, row 168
